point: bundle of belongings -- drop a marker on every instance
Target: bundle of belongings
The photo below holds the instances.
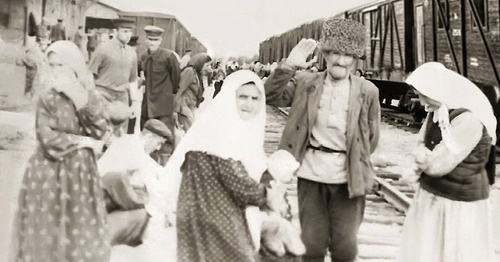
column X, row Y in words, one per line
column 279, row 238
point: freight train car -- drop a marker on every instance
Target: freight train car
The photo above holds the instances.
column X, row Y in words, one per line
column 407, row 33
column 464, row 35
column 176, row 36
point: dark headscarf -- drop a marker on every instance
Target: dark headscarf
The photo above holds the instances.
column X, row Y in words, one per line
column 197, row 61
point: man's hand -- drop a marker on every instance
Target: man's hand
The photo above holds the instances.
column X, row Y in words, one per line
column 132, row 110
column 301, row 52
column 136, row 93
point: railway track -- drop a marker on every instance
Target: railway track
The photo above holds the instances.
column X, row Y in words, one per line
column 400, row 120
column 380, row 231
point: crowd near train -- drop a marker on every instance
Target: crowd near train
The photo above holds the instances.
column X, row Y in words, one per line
column 132, row 157
column 404, row 34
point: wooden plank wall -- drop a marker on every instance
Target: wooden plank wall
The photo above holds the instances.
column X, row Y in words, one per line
column 478, row 66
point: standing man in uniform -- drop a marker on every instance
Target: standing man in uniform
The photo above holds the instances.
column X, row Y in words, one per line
column 58, row 32
column 114, row 65
column 162, row 73
column 332, row 130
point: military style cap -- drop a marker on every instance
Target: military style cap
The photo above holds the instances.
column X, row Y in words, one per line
column 153, row 32
column 124, row 23
column 157, row 127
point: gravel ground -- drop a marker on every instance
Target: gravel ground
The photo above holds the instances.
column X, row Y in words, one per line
column 394, row 149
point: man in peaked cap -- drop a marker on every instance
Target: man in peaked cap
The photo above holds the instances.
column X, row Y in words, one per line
column 162, row 73
column 332, row 130
column 58, row 31
column 114, row 65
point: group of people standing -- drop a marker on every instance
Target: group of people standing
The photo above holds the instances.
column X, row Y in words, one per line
column 218, row 190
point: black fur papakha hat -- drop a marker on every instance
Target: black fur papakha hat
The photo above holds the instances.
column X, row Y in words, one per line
column 343, row 36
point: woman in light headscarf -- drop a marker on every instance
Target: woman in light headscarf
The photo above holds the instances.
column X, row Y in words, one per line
column 450, row 217
column 190, row 94
column 220, row 161
column 61, row 214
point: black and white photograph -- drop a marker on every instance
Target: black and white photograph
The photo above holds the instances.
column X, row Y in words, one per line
column 250, row 130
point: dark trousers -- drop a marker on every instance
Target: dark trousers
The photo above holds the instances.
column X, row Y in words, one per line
column 127, row 217
column 329, row 219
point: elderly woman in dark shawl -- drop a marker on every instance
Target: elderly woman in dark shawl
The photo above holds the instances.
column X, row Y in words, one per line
column 190, row 93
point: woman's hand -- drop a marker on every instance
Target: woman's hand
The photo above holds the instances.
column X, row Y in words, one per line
column 276, row 199
column 301, row 52
column 420, row 155
column 95, row 145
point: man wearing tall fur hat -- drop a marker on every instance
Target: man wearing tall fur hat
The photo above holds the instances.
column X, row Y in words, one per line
column 332, row 130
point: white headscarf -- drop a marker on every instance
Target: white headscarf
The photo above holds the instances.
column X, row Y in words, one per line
column 454, row 91
column 221, row 132
column 71, row 55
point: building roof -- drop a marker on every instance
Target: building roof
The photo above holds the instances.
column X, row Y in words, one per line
column 147, row 14
column 101, row 10
column 108, row 6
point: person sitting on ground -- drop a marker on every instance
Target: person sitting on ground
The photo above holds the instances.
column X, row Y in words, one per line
column 130, row 181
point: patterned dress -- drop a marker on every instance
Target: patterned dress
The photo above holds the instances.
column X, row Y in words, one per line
column 61, row 214
column 211, row 224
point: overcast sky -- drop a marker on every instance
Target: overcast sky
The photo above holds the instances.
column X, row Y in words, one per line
column 236, row 27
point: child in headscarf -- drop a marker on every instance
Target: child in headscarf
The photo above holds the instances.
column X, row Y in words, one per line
column 450, row 217
column 61, row 214
column 220, row 161
column 190, row 93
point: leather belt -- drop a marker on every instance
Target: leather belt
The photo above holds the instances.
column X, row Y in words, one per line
column 325, row 149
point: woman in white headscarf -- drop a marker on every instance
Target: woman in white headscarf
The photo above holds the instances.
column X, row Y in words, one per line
column 61, row 214
column 220, row 161
column 450, row 217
